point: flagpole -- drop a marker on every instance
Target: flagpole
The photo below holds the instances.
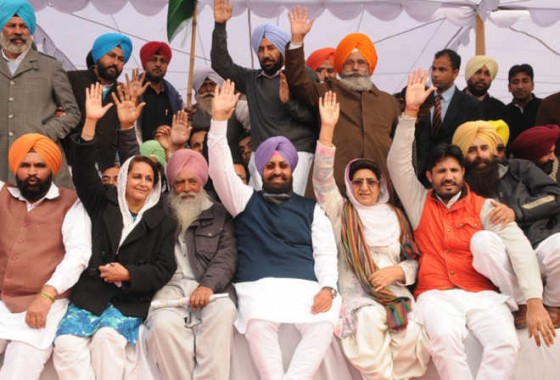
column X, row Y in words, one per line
column 191, row 60
column 480, row 45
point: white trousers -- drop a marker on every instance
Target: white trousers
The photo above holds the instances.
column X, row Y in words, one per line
column 380, row 354
column 300, row 175
column 22, row 361
column 198, row 352
column 308, row 355
column 101, row 357
column 491, row 259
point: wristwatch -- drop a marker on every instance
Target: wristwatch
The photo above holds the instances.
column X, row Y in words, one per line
column 332, row 290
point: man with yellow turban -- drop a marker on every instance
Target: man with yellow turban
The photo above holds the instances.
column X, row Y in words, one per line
column 528, row 196
column 480, row 71
column 367, row 114
column 32, row 86
column 45, row 245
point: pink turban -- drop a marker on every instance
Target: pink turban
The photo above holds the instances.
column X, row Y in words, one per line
column 279, row 144
column 318, row 57
column 190, row 159
column 535, row 142
column 45, row 147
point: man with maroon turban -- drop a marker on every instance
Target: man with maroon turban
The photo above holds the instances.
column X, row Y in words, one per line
column 322, row 62
column 45, row 244
column 538, row 144
column 367, row 115
column 162, row 99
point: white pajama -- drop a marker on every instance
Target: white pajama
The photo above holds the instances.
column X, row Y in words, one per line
column 22, row 361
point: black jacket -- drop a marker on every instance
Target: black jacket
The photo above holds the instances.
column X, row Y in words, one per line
column 147, row 252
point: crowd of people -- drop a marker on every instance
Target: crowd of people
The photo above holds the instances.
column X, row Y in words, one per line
column 294, row 194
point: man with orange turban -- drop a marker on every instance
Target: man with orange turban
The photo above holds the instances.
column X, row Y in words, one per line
column 45, row 245
column 162, row 99
column 368, row 115
column 322, row 62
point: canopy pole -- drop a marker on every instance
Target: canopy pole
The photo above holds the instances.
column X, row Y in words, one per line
column 480, row 47
column 191, row 60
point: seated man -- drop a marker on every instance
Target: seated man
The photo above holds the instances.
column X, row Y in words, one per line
column 45, row 244
column 195, row 342
column 455, row 291
column 287, row 269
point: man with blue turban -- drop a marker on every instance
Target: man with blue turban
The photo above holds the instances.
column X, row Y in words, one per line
column 32, row 87
column 272, row 112
column 109, row 54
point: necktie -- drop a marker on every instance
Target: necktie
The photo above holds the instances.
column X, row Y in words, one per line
column 436, row 120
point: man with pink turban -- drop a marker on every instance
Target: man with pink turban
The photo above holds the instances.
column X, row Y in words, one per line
column 206, row 257
column 368, row 115
column 322, row 62
column 287, row 271
column 45, row 244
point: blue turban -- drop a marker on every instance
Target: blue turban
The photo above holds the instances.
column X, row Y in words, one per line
column 271, row 32
column 107, row 42
column 279, row 144
column 19, row 8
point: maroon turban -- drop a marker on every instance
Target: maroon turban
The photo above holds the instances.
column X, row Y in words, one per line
column 152, row 48
column 535, row 142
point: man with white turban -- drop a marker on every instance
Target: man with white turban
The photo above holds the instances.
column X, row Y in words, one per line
column 480, row 71
column 287, row 271
column 272, row 111
column 32, row 86
column 45, row 245
column 194, row 342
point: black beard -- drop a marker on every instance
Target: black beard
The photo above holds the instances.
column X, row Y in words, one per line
column 478, row 93
column 547, row 166
column 483, row 181
column 34, row 192
column 154, row 79
column 285, row 188
column 277, row 66
column 103, row 73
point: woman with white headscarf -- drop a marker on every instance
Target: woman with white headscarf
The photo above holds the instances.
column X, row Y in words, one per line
column 377, row 260
column 132, row 255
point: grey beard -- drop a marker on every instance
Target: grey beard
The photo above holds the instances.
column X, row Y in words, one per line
column 353, row 83
column 187, row 210
column 204, row 103
column 15, row 49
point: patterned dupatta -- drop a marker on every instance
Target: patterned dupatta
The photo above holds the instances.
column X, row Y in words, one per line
column 358, row 257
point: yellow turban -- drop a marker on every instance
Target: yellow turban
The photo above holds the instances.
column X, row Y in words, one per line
column 467, row 132
column 358, row 41
column 477, row 62
column 36, row 142
column 502, row 129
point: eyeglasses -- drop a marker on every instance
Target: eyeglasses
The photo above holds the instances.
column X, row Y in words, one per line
column 370, row 182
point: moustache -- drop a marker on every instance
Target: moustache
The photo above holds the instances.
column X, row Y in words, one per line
column 449, row 182
column 272, row 176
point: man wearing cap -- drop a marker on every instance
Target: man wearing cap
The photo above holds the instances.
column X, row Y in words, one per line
column 32, row 86
column 109, row 52
column 271, row 113
column 480, row 71
column 529, row 197
column 45, row 245
column 195, row 342
column 367, row 114
column 322, row 62
column 162, row 99
column 287, row 270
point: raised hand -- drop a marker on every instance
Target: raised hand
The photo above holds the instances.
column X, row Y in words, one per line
column 329, row 109
column 284, row 91
column 127, row 110
column 300, row 24
column 94, row 102
column 136, row 86
column 180, row 129
column 222, row 11
column 163, row 136
column 225, row 98
column 416, row 92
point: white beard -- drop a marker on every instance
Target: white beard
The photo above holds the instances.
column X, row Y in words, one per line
column 12, row 48
column 354, row 83
column 204, row 102
column 187, row 210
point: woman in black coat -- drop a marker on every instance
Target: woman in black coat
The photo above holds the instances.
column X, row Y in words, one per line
column 132, row 257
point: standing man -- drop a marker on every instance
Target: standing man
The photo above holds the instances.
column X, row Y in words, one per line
column 456, row 290
column 272, row 111
column 322, row 62
column 194, row 342
column 480, row 71
column 32, row 87
column 161, row 98
column 109, row 52
column 45, row 245
column 549, row 110
column 287, row 271
column 522, row 111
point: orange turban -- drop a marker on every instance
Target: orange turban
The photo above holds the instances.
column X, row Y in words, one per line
column 318, row 57
column 358, row 41
column 41, row 144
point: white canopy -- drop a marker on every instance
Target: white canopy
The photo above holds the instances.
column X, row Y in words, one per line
column 406, row 33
